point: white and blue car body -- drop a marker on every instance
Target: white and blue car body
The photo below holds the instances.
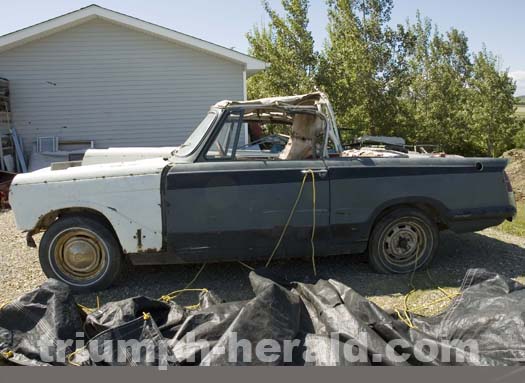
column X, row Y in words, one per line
column 227, row 195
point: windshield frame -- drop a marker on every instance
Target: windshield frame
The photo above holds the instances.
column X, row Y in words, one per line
column 200, row 133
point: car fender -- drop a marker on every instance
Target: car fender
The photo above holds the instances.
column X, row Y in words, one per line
column 131, row 203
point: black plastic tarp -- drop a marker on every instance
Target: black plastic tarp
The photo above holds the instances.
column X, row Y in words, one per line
column 326, row 323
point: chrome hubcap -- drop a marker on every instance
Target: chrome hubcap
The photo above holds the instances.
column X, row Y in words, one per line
column 80, row 254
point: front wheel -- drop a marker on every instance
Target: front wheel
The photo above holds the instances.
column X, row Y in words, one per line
column 82, row 252
column 403, row 241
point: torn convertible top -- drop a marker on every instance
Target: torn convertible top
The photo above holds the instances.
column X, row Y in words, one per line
column 271, row 110
column 310, row 99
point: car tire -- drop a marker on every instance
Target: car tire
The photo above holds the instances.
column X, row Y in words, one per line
column 403, row 241
column 82, row 252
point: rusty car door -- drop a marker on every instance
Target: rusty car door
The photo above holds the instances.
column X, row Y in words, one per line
column 238, row 210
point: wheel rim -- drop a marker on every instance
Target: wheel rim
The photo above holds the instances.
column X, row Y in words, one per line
column 80, row 254
column 404, row 243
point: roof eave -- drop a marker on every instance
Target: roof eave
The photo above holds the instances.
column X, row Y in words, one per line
column 256, row 67
column 46, row 28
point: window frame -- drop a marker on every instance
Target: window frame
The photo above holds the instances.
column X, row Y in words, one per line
column 219, row 126
column 203, row 136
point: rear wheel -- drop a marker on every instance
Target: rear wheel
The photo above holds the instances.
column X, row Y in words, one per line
column 403, row 241
column 82, row 252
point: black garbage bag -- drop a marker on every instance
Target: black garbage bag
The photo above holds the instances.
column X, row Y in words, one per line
column 489, row 315
column 201, row 331
column 338, row 312
column 115, row 314
column 39, row 328
column 209, row 298
column 300, row 324
column 274, row 314
column 238, row 333
column 137, row 342
column 135, row 331
column 484, row 326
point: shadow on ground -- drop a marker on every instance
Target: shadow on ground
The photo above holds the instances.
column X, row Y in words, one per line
column 457, row 254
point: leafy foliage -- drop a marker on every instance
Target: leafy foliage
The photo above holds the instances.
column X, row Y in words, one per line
column 411, row 80
column 288, row 45
column 435, row 93
column 492, row 104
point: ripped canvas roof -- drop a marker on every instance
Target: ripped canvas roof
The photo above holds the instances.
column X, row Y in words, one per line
column 278, row 109
column 309, row 99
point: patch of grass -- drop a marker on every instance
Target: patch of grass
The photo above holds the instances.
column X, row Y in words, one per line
column 424, row 302
column 517, row 226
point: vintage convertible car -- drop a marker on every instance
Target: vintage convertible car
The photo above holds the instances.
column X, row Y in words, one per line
column 228, row 194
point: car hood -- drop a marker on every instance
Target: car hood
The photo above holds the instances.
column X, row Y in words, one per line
column 102, row 171
column 112, row 155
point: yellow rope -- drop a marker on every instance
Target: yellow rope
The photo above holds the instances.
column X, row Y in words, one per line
column 447, row 295
column 169, row 297
column 70, row 357
column 195, row 277
column 89, row 310
column 312, row 238
column 404, row 316
column 432, row 303
column 247, row 266
column 174, row 294
column 193, row 307
column 86, row 310
column 450, row 296
column 292, row 213
column 8, row 354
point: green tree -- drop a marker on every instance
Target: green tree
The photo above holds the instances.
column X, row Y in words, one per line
column 434, row 98
column 412, row 81
column 492, row 104
column 359, row 65
column 288, row 46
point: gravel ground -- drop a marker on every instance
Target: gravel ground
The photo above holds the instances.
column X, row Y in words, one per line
column 491, row 249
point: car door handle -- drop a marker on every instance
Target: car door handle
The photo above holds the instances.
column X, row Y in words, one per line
column 321, row 172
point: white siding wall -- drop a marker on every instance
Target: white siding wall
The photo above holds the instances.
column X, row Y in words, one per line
column 114, row 85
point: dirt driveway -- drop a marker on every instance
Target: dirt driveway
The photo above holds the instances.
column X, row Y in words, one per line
column 490, row 249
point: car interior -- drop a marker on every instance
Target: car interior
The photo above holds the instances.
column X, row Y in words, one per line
column 269, row 133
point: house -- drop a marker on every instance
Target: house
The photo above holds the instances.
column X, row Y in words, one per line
column 99, row 75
